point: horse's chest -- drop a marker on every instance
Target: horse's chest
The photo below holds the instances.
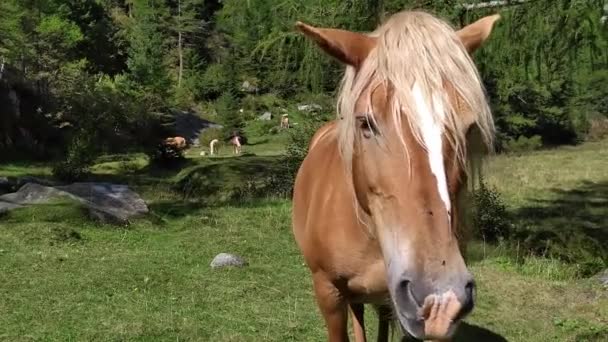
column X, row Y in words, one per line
column 368, row 284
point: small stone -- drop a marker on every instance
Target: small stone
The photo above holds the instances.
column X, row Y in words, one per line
column 226, row 259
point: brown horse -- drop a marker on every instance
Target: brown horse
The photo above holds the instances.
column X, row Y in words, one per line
column 178, row 143
column 376, row 204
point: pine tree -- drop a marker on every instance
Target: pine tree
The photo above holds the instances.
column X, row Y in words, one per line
column 147, row 47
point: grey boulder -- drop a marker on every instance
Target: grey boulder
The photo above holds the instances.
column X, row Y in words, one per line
column 111, row 203
column 226, row 259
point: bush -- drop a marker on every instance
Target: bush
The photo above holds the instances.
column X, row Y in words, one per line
column 262, row 127
column 214, row 81
column 598, row 129
column 209, row 134
column 523, row 144
column 297, row 149
column 166, row 156
column 490, row 214
column 79, row 159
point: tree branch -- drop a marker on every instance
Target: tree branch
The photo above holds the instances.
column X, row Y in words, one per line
column 492, row 4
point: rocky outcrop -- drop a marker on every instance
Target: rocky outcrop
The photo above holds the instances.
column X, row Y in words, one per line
column 106, row 202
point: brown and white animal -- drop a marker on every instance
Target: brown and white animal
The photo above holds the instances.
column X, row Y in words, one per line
column 212, row 147
column 284, row 121
column 236, row 143
column 176, row 142
column 376, row 203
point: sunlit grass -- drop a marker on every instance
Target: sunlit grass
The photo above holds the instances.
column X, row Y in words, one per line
column 65, row 278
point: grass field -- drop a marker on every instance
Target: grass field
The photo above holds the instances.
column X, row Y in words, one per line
column 65, row 278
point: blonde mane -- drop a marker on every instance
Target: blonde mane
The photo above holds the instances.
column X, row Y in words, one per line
column 416, row 48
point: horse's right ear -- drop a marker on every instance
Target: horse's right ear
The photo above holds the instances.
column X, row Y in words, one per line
column 348, row 47
column 474, row 35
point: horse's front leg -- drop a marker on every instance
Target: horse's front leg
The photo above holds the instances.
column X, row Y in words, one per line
column 333, row 307
column 357, row 313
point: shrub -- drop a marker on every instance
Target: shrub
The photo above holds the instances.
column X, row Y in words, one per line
column 490, row 214
column 209, row 134
column 166, row 156
column 297, row 148
column 214, row 81
column 598, row 129
column 262, row 127
column 523, row 144
column 80, row 157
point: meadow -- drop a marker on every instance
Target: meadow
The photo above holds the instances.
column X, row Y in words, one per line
column 64, row 277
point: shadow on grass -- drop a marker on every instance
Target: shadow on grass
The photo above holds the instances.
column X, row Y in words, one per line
column 260, row 142
column 469, row 332
column 217, row 182
column 175, row 208
column 573, row 226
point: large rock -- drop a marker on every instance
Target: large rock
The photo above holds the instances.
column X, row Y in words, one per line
column 226, row 259
column 267, row 116
column 313, row 107
column 248, row 87
column 190, row 125
column 12, row 184
column 111, row 203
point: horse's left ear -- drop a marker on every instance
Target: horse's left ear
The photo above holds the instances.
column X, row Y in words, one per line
column 474, row 35
column 348, row 47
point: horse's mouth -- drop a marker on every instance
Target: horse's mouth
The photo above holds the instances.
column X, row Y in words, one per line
column 437, row 318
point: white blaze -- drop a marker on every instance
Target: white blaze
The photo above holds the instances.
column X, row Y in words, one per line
column 432, row 133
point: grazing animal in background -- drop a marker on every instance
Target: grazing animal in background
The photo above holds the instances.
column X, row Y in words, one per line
column 284, row 121
column 178, row 143
column 212, row 149
column 236, row 142
column 377, row 202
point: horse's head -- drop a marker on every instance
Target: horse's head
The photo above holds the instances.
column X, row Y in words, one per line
column 410, row 97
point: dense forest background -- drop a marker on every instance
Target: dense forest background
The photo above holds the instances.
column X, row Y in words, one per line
column 104, row 75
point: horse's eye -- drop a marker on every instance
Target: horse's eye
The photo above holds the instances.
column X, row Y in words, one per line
column 367, row 125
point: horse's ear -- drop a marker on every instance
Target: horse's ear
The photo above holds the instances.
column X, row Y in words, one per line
column 348, row 47
column 474, row 35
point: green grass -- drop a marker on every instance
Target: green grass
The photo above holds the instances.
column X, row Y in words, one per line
column 558, row 199
column 65, row 278
column 545, row 175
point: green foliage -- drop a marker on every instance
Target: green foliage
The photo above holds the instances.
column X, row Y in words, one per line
column 208, row 134
column 544, row 67
column 263, row 127
column 267, row 102
column 232, row 120
column 214, row 81
column 168, row 157
column 536, row 84
column 146, row 52
column 523, row 144
column 78, row 161
column 490, row 214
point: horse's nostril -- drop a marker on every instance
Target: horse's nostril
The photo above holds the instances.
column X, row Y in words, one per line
column 469, row 288
column 468, row 304
column 403, row 285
